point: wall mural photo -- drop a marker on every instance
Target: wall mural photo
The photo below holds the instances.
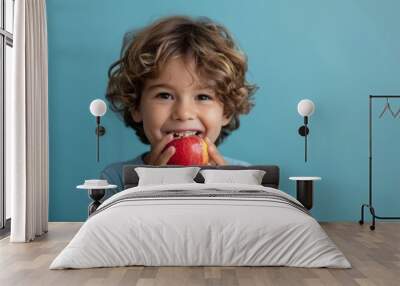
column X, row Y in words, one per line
column 213, row 83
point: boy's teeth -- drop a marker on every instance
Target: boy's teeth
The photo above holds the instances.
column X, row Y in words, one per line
column 184, row 133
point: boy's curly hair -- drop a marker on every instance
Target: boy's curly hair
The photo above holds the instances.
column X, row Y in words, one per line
column 216, row 57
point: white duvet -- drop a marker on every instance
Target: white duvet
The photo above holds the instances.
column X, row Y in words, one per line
column 200, row 231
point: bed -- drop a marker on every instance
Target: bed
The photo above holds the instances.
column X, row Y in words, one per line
column 201, row 224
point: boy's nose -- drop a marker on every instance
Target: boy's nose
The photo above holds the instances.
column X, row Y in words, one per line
column 184, row 110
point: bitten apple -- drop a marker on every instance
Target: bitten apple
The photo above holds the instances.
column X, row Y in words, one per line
column 189, row 150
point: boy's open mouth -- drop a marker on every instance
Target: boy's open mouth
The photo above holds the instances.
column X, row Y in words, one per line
column 180, row 134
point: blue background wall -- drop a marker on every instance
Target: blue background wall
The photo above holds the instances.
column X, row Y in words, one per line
column 333, row 52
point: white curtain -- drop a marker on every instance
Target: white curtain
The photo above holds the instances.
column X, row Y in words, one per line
column 27, row 124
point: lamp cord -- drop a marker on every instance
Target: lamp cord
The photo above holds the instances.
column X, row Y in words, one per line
column 305, row 147
column 98, row 136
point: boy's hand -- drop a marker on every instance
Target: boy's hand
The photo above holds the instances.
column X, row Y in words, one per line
column 214, row 158
column 157, row 156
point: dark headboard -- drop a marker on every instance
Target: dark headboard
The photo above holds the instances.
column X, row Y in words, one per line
column 270, row 179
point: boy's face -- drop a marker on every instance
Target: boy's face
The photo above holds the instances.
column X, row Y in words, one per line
column 178, row 100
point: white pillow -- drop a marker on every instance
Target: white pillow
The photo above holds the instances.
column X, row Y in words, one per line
column 162, row 176
column 249, row 177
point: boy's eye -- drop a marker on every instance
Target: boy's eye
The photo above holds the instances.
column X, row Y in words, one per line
column 204, row 97
column 164, row 95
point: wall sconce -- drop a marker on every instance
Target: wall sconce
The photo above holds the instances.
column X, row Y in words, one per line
column 305, row 108
column 98, row 108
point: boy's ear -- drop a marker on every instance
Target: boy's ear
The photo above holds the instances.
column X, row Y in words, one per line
column 136, row 115
column 226, row 119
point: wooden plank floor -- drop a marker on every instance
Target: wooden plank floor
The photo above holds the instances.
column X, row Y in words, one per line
column 374, row 255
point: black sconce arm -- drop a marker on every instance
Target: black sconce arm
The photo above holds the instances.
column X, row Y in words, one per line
column 304, row 131
column 100, row 131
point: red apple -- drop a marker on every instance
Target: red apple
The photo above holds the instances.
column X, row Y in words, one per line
column 189, row 150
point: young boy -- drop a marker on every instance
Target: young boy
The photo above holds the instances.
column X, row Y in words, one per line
column 178, row 76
